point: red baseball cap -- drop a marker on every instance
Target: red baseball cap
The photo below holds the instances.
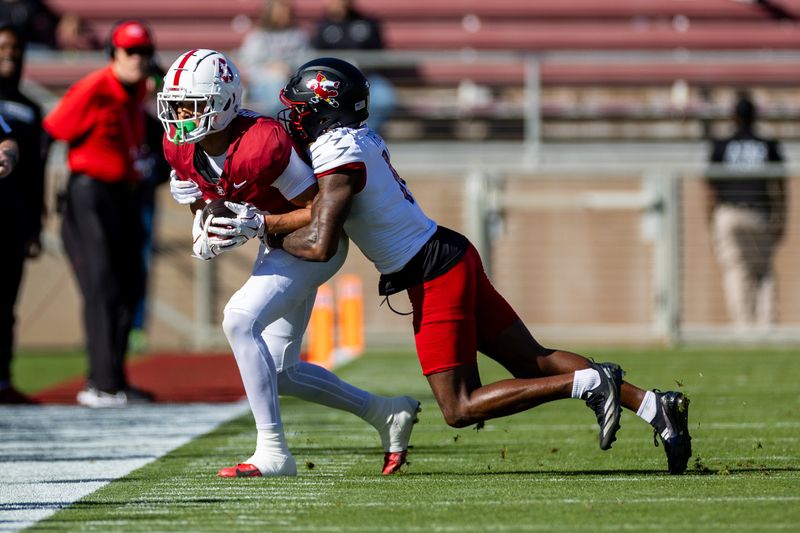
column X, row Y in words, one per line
column 131, row 34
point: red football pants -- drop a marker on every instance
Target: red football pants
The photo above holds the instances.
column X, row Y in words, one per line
column 454, row 313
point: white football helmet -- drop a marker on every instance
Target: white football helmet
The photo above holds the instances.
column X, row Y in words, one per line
column 206, row 80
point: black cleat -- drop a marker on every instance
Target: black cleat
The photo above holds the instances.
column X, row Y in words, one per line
column 672, row 418
column 605, row 401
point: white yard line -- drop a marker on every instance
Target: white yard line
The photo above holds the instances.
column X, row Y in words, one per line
column 52, row 456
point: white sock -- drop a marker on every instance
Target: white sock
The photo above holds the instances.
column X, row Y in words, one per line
column 271, row 442
column 394, row 419
column 272, row 456
column 378, row 411
column 647, row 411
column 584, row 380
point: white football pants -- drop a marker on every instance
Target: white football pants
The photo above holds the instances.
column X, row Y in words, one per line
column 264, row 322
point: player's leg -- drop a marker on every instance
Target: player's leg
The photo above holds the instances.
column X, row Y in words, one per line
column 455, row 310
column 271, row 292
column 393, row 418
column 463, row 400
column 278, row 296
column 516, row 349
column 522, row 355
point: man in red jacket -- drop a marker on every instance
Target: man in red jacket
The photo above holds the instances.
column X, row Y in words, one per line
column 102, row 118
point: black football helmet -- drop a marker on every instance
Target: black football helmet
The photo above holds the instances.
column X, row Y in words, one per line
column 323, row 94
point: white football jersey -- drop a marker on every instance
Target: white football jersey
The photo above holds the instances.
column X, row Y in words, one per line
column 385, row 220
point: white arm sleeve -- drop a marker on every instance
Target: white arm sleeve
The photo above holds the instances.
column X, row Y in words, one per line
column 296, row 178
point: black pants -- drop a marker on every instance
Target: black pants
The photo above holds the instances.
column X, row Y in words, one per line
column 10, row 278
column 102, row 233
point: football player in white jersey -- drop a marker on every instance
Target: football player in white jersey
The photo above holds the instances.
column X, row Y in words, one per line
column 219, row 151
column 456, row 311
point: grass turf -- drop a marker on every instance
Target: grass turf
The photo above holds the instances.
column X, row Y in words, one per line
column 537, row 471
column 37, row 370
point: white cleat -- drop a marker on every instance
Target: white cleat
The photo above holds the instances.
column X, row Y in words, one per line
column 275, row 465
column 397, row 432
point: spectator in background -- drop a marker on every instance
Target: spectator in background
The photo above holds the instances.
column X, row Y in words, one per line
column 73, row 33
column 343, row 27
column 748, row 218
column 23, row 191
column 102, row 118
column 269, row 53
column 33, row 19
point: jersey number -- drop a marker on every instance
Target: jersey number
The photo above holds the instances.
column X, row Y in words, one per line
column 400, row 181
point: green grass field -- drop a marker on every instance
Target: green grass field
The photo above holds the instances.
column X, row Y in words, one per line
column 537, row 471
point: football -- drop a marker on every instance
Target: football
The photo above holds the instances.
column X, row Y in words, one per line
column 217, row 208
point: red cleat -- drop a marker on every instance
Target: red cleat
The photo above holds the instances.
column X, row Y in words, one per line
column 240, row 470
column 392, row 461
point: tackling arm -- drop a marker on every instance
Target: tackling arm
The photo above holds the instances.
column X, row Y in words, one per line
column 293, row 220
column 319, row 240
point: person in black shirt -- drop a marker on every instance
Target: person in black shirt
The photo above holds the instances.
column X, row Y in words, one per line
column 23, row 190
column 343, row 27
column 33, row 19
column 747, row 210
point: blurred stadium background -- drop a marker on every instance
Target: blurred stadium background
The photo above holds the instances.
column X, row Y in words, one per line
column 568, row 139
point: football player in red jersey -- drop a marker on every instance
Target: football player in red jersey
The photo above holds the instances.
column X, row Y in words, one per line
column 218, row 150
column 456, row 310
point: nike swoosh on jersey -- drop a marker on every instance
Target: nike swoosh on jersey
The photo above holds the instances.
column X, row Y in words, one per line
column 239, row 185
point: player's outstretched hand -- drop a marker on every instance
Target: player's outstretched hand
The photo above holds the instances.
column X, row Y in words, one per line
column 185, row 192
column 249, row 222
column 206, row 246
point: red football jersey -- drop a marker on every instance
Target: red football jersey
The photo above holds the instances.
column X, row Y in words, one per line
column 259, row 153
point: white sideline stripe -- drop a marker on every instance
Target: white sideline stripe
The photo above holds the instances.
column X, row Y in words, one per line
column 52, row 456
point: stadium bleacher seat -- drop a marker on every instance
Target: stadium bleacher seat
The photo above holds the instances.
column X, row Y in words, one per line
column 517, row 25
column 453, row 24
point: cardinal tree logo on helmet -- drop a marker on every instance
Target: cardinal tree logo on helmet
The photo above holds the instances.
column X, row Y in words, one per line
column 324, row 89
column 225, row 72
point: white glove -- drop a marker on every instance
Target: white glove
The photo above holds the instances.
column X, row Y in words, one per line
column 249, row 222
column 185, row 192
column 207, row 247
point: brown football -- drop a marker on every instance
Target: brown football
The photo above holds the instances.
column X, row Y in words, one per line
column 217, row 208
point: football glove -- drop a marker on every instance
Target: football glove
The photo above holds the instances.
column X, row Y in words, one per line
column 206, row 246
column 249, row 222
column 185, row 192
